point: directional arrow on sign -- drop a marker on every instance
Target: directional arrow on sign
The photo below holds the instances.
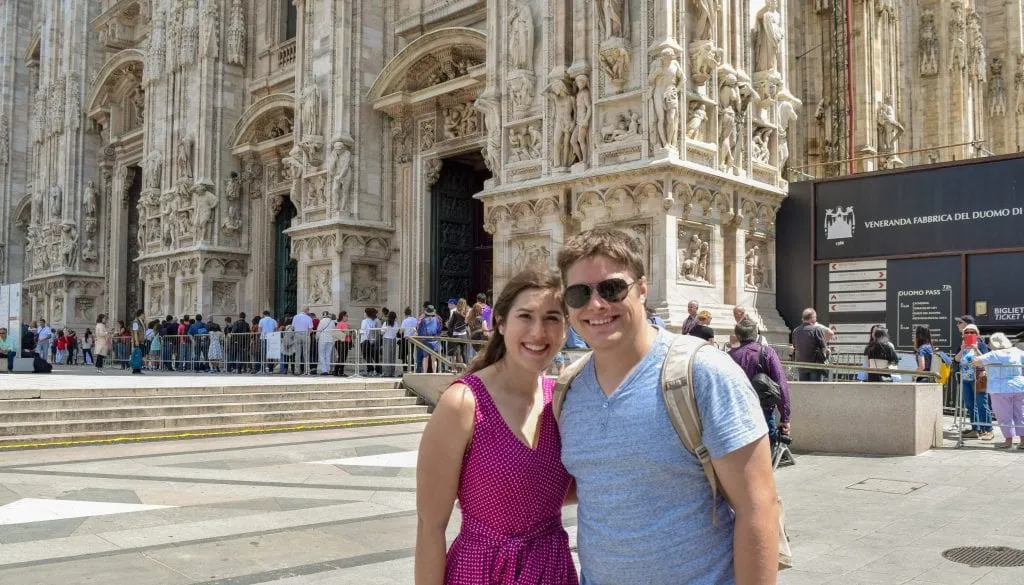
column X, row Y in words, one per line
column 833, row 308
column 881, row 274
column 835, row 298
column 835, row 266
column 881, row 285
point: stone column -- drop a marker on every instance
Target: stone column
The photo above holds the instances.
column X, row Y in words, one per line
column 336, row 282
column 733, row 252
column 261, row 253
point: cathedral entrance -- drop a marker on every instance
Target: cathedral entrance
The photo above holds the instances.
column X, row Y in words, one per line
column 461, row 261
column 286, row 268
column 133, row 287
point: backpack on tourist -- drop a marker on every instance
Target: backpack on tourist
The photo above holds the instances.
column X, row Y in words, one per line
column 681, row 404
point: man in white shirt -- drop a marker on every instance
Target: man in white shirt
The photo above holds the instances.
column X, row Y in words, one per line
column 303, row 325
column 267, row 326
column 406, row 349
column 44, row 339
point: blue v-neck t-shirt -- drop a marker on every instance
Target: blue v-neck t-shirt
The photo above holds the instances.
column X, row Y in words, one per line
column 644, row 502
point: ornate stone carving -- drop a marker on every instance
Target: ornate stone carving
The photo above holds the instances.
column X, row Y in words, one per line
column 996, row 89
column 520, row 40
column 729, row 105
column 957, row 37
column 612, row 18
column 209, row 30
column 89, row 253
column 204, row 201
column 769, row 38
column 754, row 265
column 56, row 195
column 889, row 127
column 428, row 132
column 154, row 301
column 58, row 308
column 693, row 254
column 488, row 104
column 705, row 58
column 39, row 114
column 760, row 144
column 706, row 18
column 341, row 175
column 294, row 169
column 74, row 97
column 565, row 123
column 666, row 75
column 316, row 192
column 83, row 309
column 69, row 245
column 188, row 40
column 431, row 171
column 153, row 165
column 581, row 133
column 189, row 299
column 786, row 116
column 232, row 223
column 320, row 286
column 614, row 60
column 5, row 140
column 157, row 48
column 928, row 45
column 530, row 252
column 460, row 120
column 522, row 86
column 186, row 146
column 310, row 110
column 695, row 121
column 977, row 63
column 89, row 200
column 236, row 34
column 225, row 294
column 524, row 143
column 625, row 127
column 365, row 284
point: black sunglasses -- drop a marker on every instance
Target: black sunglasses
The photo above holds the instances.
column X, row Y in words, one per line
column 612, row 290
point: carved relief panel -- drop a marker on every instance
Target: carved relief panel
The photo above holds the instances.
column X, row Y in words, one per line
column 529, row 250
column 693, row 253
column 756, row 264
column 225, row 297
column 318, row 285
column 366, row 284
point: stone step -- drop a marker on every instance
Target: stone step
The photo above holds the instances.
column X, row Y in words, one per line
column 194, row 399
column 209, row 385
column 178, row 423
column 116, row 436
column 178, row 410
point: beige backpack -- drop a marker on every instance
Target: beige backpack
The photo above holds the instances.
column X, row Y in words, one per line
column 681, row 404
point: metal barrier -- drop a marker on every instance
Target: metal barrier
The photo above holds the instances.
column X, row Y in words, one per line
column 964, row 415
column 844, row 372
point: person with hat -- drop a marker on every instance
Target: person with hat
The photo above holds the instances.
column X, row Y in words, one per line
column 1006, row 387
column 429, row 326
column 975, row 399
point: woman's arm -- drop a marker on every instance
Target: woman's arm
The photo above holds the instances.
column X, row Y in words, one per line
column 920, row 363
column 442, row 448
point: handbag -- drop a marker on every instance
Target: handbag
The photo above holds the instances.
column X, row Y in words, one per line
column 980, row 382
column 768, row 391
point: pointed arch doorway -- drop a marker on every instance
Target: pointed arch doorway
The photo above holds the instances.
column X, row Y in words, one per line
column 286, row 268
column 462, row 261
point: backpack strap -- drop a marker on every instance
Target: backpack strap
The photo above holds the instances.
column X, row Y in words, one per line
column 564, row 381
column 681, row 404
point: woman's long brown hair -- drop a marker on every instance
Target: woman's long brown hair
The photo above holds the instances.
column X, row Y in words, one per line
column 532, row 277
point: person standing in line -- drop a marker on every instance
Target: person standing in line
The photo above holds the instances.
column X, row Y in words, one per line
column 302, row 325
column 241, row 342
column 87, row 344
column 391, row 329
column 429, row 325
column 215, row 349
column 620, row 445
column 754, row 357
column 368, row 341
column 325, row 340
column 406, row 347
column 492, row 444
column 44, row 340
column 266, row 326
column 975, row 399
column 654, row 319
column 485, row 310
column 344, row 345
column 703, row 328
column 62, row 347
column 880, row 351
column 810, row 346
column 103, row 340
column 1006, row 387
column 691, row 317
column 923, row 350
column 457, row 329
column 154, row 345
column 199, row 336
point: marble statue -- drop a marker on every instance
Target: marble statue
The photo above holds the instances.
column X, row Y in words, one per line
column 666, row 75
column 341, row 175
column 698, row 115
column 565, row 122
column 89, row 200
column 520, row 42
column 581, row 133
column 770, row 37
column 707, row 15
column 889, row 128
column 205, row 202
column 184, row 158
column 612, row 12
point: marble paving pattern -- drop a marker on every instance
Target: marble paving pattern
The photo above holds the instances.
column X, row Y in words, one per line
column 28, row 510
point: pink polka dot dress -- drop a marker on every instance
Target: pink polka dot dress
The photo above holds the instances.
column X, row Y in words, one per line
column 511, row 498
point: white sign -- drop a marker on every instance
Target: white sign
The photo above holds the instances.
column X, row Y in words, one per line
column 859, row 275
column 274, row 346
column 856, row 307
column 864, row 265
column 855, row 286
column 856, row 296
column 853, row 327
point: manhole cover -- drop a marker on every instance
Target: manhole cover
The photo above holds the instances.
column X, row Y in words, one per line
column 986, row 556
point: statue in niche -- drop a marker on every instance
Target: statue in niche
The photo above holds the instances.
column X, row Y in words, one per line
column 524, row 144
column 769, row 38
column 37, row 198
column 698, row 115
column 996, row 88
column 138, row 100
column 153, row 168
column 520, row 42
column 707, row 14
column 311, row 110
column 614, row 59
column 565, row 123
column 69, row 244
column 236, row 34
column 889, row 128
column 787, row 115
column 613, row 17
column 89, row 250
column 581, row 133
column 694, row 260
column 977, row 63
column 666, row 75
column 705, row 59
column 204, row 202
column 167, row 227
column 753, row 270
column 294, row 167
column 56, row 201
column 233, row 187
column 929, row 44
column 729, row 105
column 184, row 157
column 957, row 38
column 320, row 287
column 89, row 200
column 487, row 104
column 760, row 144
column 1019, row 80
column 341, row 174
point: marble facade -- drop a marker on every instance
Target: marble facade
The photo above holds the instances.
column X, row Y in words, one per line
column 160, row 139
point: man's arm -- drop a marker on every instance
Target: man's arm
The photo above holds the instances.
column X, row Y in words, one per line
column 778, row 374
column 747, row 480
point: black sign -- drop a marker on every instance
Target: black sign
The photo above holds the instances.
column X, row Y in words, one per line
column 924, row 292
column 957, row 208
column 995, row 287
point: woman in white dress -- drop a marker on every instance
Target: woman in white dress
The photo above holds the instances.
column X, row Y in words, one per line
column 102, row 340
column 325, row 341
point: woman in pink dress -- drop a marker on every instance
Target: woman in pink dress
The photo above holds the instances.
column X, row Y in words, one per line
column 492, row 444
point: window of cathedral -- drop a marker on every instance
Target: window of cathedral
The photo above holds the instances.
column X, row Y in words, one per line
column 290, row 20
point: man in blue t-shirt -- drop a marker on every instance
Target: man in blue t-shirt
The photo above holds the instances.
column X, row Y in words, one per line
column 644, row 502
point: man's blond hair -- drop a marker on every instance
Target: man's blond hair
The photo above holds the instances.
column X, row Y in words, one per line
column 600, row 242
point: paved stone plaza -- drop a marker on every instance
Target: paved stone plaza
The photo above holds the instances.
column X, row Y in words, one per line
column 339, row 507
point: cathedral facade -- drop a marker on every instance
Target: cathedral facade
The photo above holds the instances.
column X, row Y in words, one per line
column 212, row 156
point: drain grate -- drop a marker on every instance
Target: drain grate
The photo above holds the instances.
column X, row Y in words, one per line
column 986, row 556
